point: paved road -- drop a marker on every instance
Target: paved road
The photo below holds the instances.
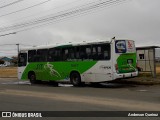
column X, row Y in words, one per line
column 22, row 96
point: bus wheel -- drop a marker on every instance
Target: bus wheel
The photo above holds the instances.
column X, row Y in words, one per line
column 32, row 78
column 75, row 79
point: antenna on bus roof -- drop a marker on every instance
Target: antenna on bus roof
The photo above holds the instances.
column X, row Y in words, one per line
column 112, row 39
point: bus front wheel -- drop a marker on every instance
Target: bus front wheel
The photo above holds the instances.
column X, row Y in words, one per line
column 75, row 79
column 32, row 78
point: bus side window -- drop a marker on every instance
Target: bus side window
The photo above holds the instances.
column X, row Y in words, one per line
column 83, row 54
column 94, row 52
column 65, row 54
column 42, row 55
column 107, row 51
column 71, row 54
column 51, row 54
column 32, row 56
column 77, row 52
column 57, row 55
column 100, row 53
column 89, row 52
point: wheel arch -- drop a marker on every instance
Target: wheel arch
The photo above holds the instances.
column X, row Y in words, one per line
column 74, row 71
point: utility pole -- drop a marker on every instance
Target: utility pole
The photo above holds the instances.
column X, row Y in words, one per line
column 17, row 48
column 18, row 57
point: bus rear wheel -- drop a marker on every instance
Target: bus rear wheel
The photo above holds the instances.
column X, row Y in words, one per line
column 75, row 79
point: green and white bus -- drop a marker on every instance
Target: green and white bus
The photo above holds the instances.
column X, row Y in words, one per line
column 77, row 63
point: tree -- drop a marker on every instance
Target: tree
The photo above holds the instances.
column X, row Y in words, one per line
column 1, row 62
column 14, row 60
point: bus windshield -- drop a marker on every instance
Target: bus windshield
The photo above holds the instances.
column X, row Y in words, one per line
column 22, row 59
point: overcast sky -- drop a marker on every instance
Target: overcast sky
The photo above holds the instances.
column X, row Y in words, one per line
column 138, row 20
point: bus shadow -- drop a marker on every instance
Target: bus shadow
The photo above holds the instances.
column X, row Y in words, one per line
column 111, row 85
column 91, row 85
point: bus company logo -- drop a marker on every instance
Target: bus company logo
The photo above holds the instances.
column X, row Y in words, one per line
column 120, row 46
column 105, row 67
column 6, row 114
column 51, row 69
column 130, row 44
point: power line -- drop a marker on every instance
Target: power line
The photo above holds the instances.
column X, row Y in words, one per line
column 44, row 19
column 9, row 52
column 6, row 44
column 25, row 8
column 69, row 15
column 12, row 3
column 62, row 14
column 7, row 34
column 55, row 8
column 55, row 21
column 51, row 18
column 15, row 44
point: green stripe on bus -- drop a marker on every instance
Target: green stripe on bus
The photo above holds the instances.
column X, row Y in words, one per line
column 123, row 65
column 56, row 70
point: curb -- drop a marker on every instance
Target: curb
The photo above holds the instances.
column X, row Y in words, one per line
column 9, row 77
column 139, row 81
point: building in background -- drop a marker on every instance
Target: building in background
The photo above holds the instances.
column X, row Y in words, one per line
column 146, row 58
column 157, row 55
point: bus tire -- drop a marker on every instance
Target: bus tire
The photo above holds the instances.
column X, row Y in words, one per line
column 75, row 79
column 32, row 78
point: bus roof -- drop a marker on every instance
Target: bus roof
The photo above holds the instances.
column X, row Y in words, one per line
column 61, row 45
column 66, row 44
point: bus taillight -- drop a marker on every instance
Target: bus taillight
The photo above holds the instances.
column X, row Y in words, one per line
column 116, row 67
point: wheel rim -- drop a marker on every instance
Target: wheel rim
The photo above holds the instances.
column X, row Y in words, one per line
column 75, row 79
column 32, row 77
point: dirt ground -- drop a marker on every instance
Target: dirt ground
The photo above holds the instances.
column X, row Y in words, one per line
column 158, row 70
column 8, row 71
